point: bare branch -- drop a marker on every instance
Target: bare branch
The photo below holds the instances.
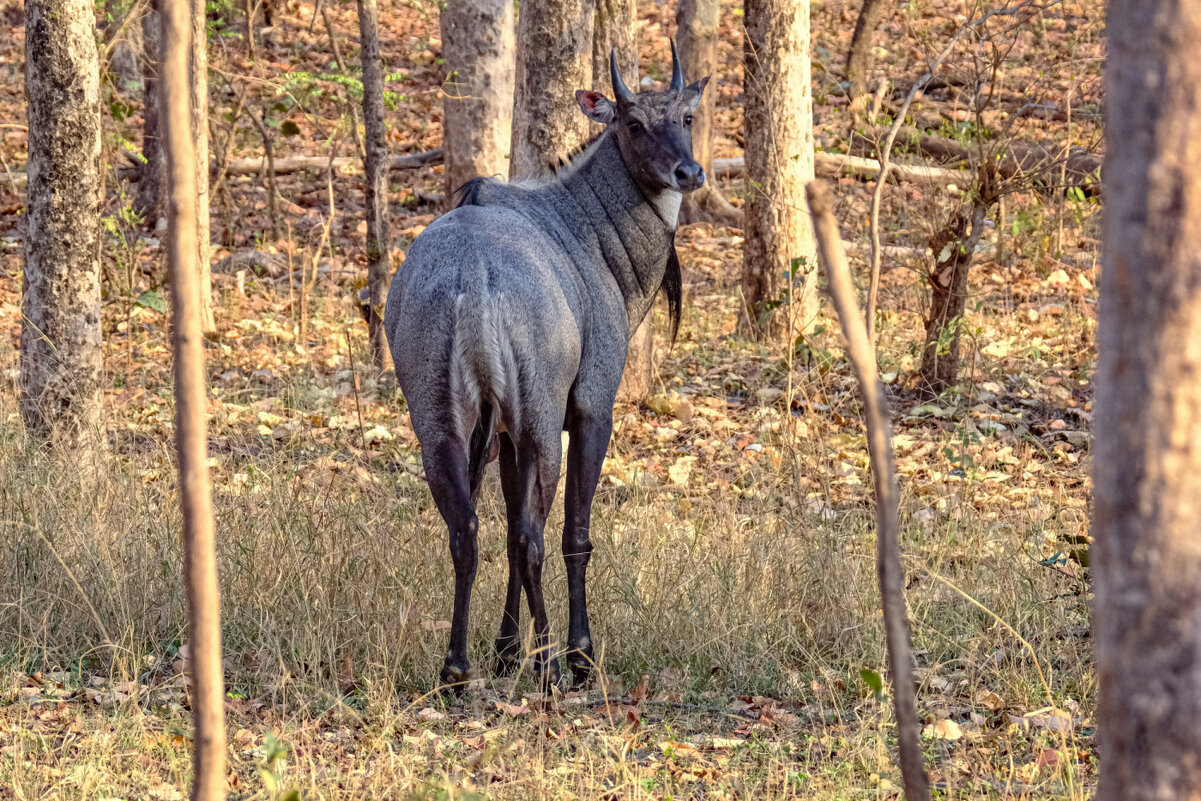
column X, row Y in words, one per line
column 879, row 442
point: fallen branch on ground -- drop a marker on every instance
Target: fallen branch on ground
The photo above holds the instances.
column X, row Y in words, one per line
column 834, row 165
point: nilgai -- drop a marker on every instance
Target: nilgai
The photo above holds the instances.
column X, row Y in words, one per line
column 509, row 322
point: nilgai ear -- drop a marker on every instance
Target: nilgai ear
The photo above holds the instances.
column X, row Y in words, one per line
column 596, row 106
column 693, row 91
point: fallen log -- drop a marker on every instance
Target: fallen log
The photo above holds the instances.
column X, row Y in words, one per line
column 342, row 164
column 1042, row 163
column 834, row 165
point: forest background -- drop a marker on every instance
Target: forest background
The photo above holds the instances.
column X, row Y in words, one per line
column 733, row 583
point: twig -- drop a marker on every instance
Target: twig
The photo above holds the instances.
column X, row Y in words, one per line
column 879, row 440
column 873, row 291
column 886, row 150
column 270, row 152
column 354, row 112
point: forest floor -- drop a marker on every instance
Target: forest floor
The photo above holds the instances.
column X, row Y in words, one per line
column 733, row 591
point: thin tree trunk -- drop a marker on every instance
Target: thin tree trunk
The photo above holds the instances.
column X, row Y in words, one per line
column 376, row 167
column 613, row 31
column 696, row 32
column 859, row 56
column 778, row 120
column 198, row 88
column 554, row 58
column 200, row 566
column 1147, row 468
column 60, row 329
column 954, row 248
column 479, row 44
column 154, row 171
column 877, row 420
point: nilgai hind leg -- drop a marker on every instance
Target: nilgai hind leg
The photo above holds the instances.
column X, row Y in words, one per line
column 446, row 472
column 533, row 478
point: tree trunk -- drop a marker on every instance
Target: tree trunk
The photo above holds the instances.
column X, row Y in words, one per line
column 554, row 58
column 696, row 40
column 154, row 172
column 198, row 87
column 376, row 168
column 1147, row 468
column 953, row 248
column 778, row 121
column 61, row 358
column 639, row 375
column 478, row 42
column 613, row 30
column 200, row 566
column 859, row 56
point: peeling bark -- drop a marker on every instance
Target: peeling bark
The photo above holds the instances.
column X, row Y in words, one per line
column 1147, row 468
column 696, row 40
column 60, row 332
column 554, row 58
column 954, row 248
column 478, row 42
column 376, row 167
column 779, row 162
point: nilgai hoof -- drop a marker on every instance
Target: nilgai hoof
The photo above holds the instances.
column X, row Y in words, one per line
column 507, row 656
column 581, row 668
column 457, row 677
column 548, row 675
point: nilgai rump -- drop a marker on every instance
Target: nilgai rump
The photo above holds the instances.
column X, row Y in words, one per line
column 510, row 319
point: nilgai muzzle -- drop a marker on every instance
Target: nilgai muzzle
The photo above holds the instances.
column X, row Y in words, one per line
column 509, row 322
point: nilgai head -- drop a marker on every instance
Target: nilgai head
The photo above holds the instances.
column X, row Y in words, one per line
column 653, row 129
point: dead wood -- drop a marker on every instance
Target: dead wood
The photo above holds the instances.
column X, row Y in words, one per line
column 1036, row 162
column 877, row 420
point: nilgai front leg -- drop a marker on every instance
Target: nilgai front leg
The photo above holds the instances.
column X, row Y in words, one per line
column 585, row 456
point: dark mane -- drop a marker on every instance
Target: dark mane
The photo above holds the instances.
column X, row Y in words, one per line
column 570, row 157
column 469, row 193
column 672, row 288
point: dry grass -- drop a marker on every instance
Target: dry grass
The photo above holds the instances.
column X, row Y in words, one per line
column 753, row 578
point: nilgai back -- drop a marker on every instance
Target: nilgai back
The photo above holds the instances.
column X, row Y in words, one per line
column 509, row 323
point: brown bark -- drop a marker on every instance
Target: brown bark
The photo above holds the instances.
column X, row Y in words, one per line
column 376, row 167
column 1147, row 469
column 877, row 420
column 554, row 58
column 153, row 175
column 198, row 88
column 613, row 30
column 953, row 248
column 696, row 40
column 859, row 56
column 779, row 161
column 60, row 331
column 639, row 375
column 200, row 566
column 478, row 42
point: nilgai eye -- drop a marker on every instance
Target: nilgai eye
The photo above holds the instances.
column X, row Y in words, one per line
column 635, row 127
column 688, row 121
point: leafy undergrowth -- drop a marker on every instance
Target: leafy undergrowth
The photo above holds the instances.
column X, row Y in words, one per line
column 734, row 563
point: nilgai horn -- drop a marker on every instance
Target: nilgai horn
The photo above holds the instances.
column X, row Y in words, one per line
column 509, row 322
